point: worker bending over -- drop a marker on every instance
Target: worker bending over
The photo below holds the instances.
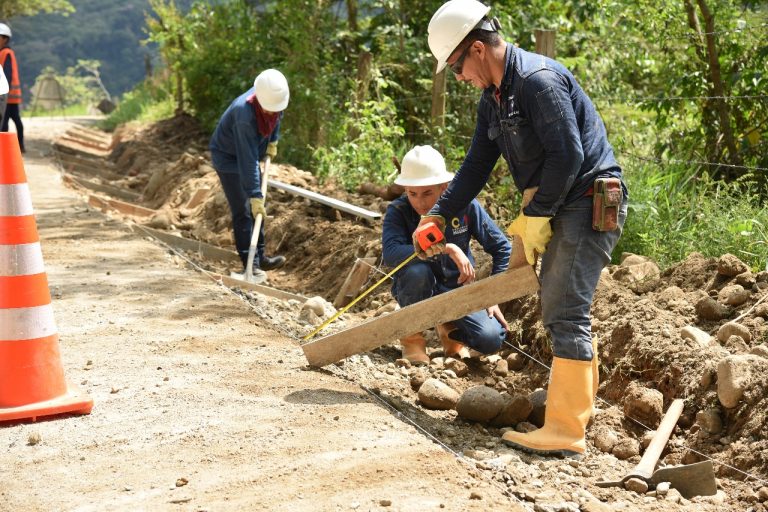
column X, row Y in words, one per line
column 534, row 114
column 425, row 177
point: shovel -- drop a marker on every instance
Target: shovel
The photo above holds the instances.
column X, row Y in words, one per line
column 689, row 480
column 248, row 274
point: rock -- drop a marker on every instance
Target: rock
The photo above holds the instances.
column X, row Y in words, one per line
column 709, row 421
column 696, row 335
column 525, row 427
column 674, row 496
column 563, row 506
column 762, row 494
column 605, row 439
column 435, row 394
column 318, row 305
column 671, row 294
column 643, row 404
column 501, row 368
column 729, row 266
column 479, row 403
column 736, row 374
column 538, row 400
column 746, row 279
column 736, row 345
column 760, row 350
column 733, row 295
column 385, row 503
column 645, row 441
column 418, row 377
column 459, row 368
column 515, row 361
column 636, row 485
column 733, row 329
column 34, row 438
column 709, row 309
column 309, row 317
column 761, row 310
column 514, row 410
column 626, row 448
column 662, row 488
column 628, row 259
column 636, row 273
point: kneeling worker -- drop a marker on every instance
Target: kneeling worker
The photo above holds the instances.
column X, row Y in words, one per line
column 425, row 177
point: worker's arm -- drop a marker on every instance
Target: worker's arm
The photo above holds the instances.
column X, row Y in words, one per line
column 474, row 171
column 490, row 237
column 547, row 101
column 247, row 153
column 396, row 239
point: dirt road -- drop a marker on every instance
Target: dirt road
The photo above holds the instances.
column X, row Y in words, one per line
column 197, row 405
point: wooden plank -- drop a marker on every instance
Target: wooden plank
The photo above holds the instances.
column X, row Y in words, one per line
column 445, row 307
column 328, row 201
column 107, row 203
column 203, row 249
column 231, row 282
column 198, row 197
column 74, row 148
column 355, row 279
column 118, row 192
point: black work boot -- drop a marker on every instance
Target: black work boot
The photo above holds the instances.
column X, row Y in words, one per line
column 271, row 262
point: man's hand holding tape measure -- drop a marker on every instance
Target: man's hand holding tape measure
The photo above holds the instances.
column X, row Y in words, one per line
column 429, row 237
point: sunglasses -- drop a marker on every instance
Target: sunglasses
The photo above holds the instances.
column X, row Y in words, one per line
column 458, row 64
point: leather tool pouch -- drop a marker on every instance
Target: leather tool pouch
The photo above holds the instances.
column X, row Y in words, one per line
column 606, row 200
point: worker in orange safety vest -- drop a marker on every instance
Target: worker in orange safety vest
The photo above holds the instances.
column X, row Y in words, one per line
column 11, row 70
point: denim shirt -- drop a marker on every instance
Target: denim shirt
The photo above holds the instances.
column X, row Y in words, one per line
column 237, row 136
column 548, row 131
column 401, row 221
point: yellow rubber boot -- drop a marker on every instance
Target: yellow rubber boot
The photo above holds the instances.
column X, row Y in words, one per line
column 569, row 406
column 451, row 346
column 415, row 349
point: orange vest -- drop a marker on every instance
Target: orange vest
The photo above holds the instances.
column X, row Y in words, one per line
column 14, row 94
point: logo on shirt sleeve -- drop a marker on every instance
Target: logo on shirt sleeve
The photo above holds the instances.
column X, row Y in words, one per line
column 460, row 228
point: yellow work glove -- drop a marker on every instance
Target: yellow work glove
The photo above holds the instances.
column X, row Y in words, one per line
column 535, row 233
column 272, row 150
column 435, row 249
column 257, row 207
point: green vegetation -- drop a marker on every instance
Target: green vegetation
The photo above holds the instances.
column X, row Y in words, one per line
column 681, row 86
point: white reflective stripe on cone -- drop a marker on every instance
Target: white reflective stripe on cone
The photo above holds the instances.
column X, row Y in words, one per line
column 26, row 323
column 21, row 260
column 15, row 200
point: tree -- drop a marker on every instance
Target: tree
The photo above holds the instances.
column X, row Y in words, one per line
column 14, row 8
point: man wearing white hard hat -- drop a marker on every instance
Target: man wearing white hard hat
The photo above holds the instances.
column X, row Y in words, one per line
column 534, row 114
column 424, row 178
column 12, row 100
column 247, row 133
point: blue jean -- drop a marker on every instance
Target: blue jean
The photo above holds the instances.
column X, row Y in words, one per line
column 242, row 220
column 477, row 330
column 570, row 270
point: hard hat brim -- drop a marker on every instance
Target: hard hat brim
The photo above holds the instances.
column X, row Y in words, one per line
column 425, row 182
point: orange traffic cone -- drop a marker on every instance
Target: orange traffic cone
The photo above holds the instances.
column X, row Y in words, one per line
column 32, row 380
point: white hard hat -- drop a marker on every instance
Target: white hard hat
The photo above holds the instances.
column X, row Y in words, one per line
column 272, row 90
column 5, row 30
column 3, row 83
column 450, row 25
column 422, row 166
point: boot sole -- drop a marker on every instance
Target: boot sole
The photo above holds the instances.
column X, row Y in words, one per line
column 561, row 453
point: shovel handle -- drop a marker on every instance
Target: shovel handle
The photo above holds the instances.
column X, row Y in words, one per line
column 653, row 452
column 258, row 220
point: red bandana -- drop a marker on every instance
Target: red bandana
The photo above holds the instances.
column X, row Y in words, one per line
column 264, row 120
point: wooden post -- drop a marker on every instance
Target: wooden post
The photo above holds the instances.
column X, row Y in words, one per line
column 545, row 42
column 356, row 278
column 438, row 99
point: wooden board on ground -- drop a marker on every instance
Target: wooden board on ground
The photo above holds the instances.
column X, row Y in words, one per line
column 231, row 282
column 203, row 249
column 355, row 279
column 120, row 193
column 107, row 203
column 328, row 201
column 72, row 147
column 445, row 307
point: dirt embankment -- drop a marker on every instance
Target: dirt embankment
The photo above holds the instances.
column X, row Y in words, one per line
column 694, row 331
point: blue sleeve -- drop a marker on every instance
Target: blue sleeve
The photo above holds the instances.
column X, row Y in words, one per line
column 474, row 171
column 276, row 132
column 491, row 238
column 247, row 150
column 548, row 102
column 396, row 238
